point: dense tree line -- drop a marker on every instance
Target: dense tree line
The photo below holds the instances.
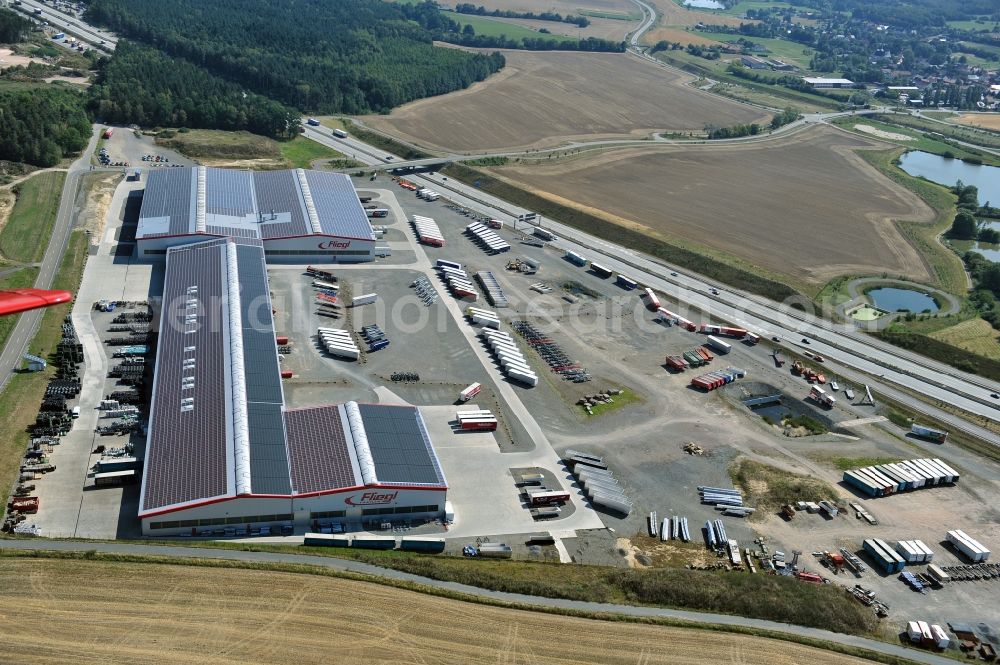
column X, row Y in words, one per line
column 789, row 115
column 144, row 86
column 13, row 27
column 590, row 44
column 40, row 125
column 469, row 8
column 733, row 132
column 349, row 56
column 965, row 225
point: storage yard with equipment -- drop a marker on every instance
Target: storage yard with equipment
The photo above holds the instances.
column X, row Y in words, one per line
column 576, row 415
column 512, row 109
column 759, row 215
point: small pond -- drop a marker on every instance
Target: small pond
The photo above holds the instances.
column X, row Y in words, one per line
column 893, row 300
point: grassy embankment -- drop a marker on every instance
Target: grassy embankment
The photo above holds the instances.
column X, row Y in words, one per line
column 20, row 399
column 773, row 95
column 724, row 271
column 32, row 218
column 257, row 151
column 613, row 15
column 490, row 27
column 768, row 488
column 968, row 133
column 156, row 563
column 758, row 596
column 376, row 139
column 916, row 139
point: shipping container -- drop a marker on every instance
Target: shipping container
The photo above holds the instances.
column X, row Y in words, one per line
column 968, row 546
column 425, row 544
column 527, row 378
column 108, row 464
column 650, row 300
column 600, row 270
column 365, row 299
column 374, row 542
column 441, row 263
column 470, row 392
column 626, row 283
column 887, row 559
column 326, row 540
column 937, row 574
column 719, row 345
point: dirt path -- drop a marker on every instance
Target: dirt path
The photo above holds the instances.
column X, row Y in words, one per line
column 54, row 611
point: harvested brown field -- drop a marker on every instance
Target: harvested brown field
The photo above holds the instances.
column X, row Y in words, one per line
column 985, row 120
column 672, row 13
column 99, row 612
column 676, row 35
column 804, row 206
column 547, row 99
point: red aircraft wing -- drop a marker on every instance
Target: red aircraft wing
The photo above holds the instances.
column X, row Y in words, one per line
column 21, row 300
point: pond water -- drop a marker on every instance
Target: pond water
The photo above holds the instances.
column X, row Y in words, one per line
column 704, row 4
column 989, row 250
column 893, row 300
column 949, row 171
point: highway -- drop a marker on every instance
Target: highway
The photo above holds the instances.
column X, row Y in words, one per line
column 70, row 25
column 890, row 368
column 27, row 325
column 357, row 567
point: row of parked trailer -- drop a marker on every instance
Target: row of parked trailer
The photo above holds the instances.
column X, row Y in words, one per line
column 927, row 635
column 698, row 357
column 427, row 231
column 968, row 546
column 597, row 481
column 884, row 555
column 670, row 318
column 339, row 343
column 428, row 194
column 713, row 380
column 423, row 544
column 483, row 317
column 487, row 238
column 512, row 362
column 476, row 420
column 885, row 479
column 492, row 289
column 914, row 551
column 457, row 279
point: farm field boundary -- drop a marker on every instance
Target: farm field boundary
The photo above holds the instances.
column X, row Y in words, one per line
column 722, row 270
column 54, row 567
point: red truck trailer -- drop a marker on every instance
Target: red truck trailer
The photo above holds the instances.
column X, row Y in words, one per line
column 676, row 363
column 650, row 300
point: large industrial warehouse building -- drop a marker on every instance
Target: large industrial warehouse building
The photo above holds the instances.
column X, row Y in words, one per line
column 299, row 216
column 223, row 451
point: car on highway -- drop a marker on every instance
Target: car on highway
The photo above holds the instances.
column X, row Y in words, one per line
column 715, row 292
column 673, row 274
column 805, row 341
column 388, row 158
column 994, row 396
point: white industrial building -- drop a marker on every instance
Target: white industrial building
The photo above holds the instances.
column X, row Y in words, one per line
column 822, row 83
column 299, row 216
column 223, row 452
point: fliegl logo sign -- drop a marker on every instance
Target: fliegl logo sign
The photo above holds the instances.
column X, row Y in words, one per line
column 371, row 499
column 334, row 244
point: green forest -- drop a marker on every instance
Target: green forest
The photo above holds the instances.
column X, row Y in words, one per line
column 144, row 86
column 13, row 28
column 348, row 56
column 41, row 124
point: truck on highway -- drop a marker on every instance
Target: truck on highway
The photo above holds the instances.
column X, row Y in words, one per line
column 313, row 122
column 340, row 133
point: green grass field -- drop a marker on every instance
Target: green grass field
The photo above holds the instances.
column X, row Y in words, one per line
column 615, row 16
column 489, row 27
column 20, row 399
column 213, row 143
column 21, row 279
column 790, row 52
column 628, row 397
column 301, row 152
column 32, row 218
column 740, row 8
column 974, row 25
column 918, row 140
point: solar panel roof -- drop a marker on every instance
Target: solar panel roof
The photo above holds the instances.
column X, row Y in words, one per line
column 268, row 204
column 337, row 204
column 321, row 454
column 399, row 444
column 187, row 452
